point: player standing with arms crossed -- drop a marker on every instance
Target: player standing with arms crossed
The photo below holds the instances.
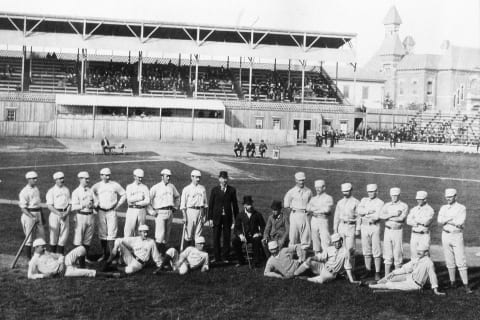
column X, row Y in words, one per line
column 58, row 202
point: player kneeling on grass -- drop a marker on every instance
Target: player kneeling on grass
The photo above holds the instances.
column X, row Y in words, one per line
column 192, row 258
column 412, row 276
column 45, row 264
column 135, row 252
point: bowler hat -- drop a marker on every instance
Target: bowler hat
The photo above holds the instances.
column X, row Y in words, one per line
column 247, row 200
column 276, row 205
column 223, row 174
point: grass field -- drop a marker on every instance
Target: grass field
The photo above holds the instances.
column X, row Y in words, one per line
column 228, row 292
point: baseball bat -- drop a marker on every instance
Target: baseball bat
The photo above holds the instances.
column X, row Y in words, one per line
column 246, row 247
column 183, row 238
column 23, row 245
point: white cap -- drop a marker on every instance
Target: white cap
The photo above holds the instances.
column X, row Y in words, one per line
column 335, row 237
column 83, row 174
column 300, row 176
column 421, row 195
column 422, row 247
column 172, row 253
column 319, row 183
column 395, row 191
column 105, row 171
column 199, row 240
column 166, row 171
column 58, row 175
column 31, row 175
column 143, row 227
column 372, row 187
column 272, row 245
column 138, row 173
column 39, row 242
column 450, row 192
column 196, row 173
column 346, row 186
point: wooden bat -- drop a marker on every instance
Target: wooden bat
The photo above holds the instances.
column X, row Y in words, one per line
column 183, row 239
column 23, row 245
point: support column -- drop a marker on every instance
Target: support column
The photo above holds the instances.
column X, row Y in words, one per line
column 190, row 71
column 240, row 76
column 139, row 75
column 193, row 121
column 24, row 52
column 355, row 84
column 336, row 78
column 93, row 122
column 126, row 129
column 250, row 79
column 160, row 124
column 289, row 66
column 196, row 76
column 304, row 65
column 82, row 76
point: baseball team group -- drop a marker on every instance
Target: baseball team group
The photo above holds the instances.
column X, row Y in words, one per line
column 296, row 237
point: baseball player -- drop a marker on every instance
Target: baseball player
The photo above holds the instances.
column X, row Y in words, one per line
column 135, row 251
column 282, row 263
column 331, row 261
column 82, row 206
column 346, row 221
column 394, row 214
column 192, row 258
column 413, row 275
column 320, row 207
column 193, row 204
column 369, row 210
column 296, row 199
column 45, row 264
column 58, row 202
column 452, row 219
column 138, row 197
column 108, row 197
column 165, row 199
column 420, row 218
column 29, row 203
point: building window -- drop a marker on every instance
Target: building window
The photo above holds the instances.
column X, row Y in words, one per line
column 11, row 114
column 346, row 91
column 276, row 123
column 259, row 123
column 400, row 90
column 364, row 93
column 429, row 87
column 461, row 92
column 414, row 87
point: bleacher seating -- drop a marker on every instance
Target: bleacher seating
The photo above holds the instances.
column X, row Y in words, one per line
column 10, row 73
column 53, row 75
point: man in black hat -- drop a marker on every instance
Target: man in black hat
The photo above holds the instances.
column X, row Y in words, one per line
column 277, row 227
column 249, row 228
column 222, row 211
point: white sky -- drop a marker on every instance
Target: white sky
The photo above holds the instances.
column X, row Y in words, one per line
column 428, row 21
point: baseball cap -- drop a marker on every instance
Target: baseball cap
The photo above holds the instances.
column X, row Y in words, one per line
column 319, row 183
column 58, row 175
column 422, row 247
column 200, row 240
column 346, row 186
column 300, row 176
column 105, row 171
column 138, row 173
column 196, row 173
column 31, row 175
column 143, row 227
column 335, row 237
column 371, row 187
column 39, row 242
column 166, row 171
column 395, row 191
column 272, row 245
column 421, row 195
column 450, row 192
column 83, row 174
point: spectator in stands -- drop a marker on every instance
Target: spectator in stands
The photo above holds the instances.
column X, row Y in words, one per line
column 238, row 148
column 250, row 148
column 262, row 148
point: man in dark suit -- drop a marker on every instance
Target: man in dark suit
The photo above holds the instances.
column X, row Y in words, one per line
column 222, row 210
column 249, row 228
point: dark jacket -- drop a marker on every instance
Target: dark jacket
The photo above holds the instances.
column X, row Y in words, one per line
column 220, row 201
column 256, row 224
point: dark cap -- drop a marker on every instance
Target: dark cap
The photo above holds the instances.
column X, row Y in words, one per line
column 276, row 205
column 247, row 200
column 223, row 174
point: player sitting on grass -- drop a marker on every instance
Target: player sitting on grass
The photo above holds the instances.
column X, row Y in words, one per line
column 282, row 263
column 135, row 252
column 45, row 264
column 412, row 276
column 191, row 258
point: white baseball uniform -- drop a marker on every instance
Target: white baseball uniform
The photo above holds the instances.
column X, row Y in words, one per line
column 329, row 263
column 420, row 218
column 194, row 201
column 453, row 216
column 346, row 221
column 59, row 198
column 321, row 207
column 297, row 200
column 138, row 197
column 50, row 264
column 164, row 198
column 106, row 198
column 136, row 252
column 29, row 199
column 82, row 204
column 369, row 212
column 394, row 215
column 191, row 258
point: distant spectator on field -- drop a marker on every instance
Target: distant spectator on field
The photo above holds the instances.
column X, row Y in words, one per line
column 238, row 148
column 250, row 148
column 106, row 146
column 318, row 139
column 262, row 148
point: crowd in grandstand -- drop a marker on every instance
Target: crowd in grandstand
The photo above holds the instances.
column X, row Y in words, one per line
column 169, row 77
column 212, row 78
column 114, row 77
